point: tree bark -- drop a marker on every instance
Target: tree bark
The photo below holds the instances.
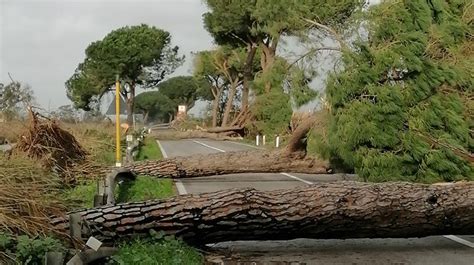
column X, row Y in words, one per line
column 176, row 135
column 215, row 108
column 230, row 102
column 267, row 59
column 130, row 103
column 248, row 75
column 321, row 211
column 225, row 129
column 291, row 159
column 145, row 117
column 229, row 163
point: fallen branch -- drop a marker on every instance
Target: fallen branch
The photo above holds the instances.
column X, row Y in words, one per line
column 333, row 210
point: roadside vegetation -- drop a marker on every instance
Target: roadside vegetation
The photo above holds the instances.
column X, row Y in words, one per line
column 43, row 194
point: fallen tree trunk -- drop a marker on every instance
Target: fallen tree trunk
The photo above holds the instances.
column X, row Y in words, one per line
column 229, row 163
column 291, row 159
column 334, row 210
column 236, row 129
column 177, row 135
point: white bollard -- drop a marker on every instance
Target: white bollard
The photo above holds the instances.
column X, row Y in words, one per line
column 277, row 141
column 257, row 140
column 263, row 140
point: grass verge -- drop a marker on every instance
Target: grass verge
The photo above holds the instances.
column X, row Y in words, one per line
column 164, row 251
column 155, row 250
column 149, row 150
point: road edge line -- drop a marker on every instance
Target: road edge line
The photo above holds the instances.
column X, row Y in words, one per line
column 180, row 187
column 296, row 178
column 208, row 146
column 460, row 240
column 163, row 152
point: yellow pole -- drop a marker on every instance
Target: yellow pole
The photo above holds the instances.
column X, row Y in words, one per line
column 118, row 156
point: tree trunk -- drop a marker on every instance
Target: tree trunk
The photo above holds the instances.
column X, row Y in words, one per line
column 268, row 58
column 229, row 163
column 248, row 75
column 229, row 103
column 145, row 117
column 236, row 129
column 176, row 135
column 292, row 159
column 130, row 103
column 321, row 211
column 215, row 107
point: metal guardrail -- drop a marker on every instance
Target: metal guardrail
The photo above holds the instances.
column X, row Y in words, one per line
column 160, row 126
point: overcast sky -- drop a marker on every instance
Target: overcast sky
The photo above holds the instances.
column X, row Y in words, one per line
column 42, row 41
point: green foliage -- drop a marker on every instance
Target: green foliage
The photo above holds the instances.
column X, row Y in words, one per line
column 154, row 105
column 139, row 55
column 32, row 250
column 157, row 250
column 400, row 109
column 82, row 195
column 272, row 112
column 6, row 241
column 66, row 113
column 175, row 91
column 238, row 21
column 182, row 90
column 13, row 97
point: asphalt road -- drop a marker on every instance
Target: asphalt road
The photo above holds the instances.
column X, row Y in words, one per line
column 430, row 250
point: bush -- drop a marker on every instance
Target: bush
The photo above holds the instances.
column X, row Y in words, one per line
column 272, row 113
column 27, row 250
column 32, row 250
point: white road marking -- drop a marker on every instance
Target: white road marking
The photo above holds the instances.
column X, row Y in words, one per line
column 165, row 155
column 460, row 240
column 284, row 174
column 296, row 178
column 208, row 146
column 180, row 187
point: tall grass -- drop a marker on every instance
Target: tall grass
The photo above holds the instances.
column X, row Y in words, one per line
column 27, row 196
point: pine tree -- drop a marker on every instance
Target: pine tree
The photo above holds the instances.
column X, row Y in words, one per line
column 402, row 108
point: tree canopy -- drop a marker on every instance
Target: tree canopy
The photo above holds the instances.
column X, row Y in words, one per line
column 13, row 97
column 163, row 104
column 402, row 108
column 257, row 26
column 138, row 55
column 155, row 106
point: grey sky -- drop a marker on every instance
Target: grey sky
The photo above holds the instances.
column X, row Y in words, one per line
column 41, row 41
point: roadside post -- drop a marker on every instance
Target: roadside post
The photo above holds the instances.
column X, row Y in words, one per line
column 277, row 141
column 257, row 140
column 118, row 156
column 263, row 140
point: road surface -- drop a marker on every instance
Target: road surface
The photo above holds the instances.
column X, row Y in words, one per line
column 430, row 250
